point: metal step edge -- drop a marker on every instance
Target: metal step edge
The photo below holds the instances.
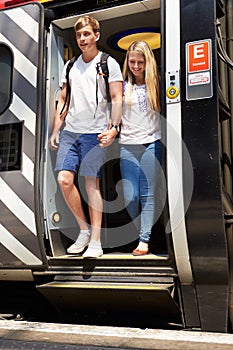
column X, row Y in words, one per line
column 78, row 271
column 116, row 256
column 110, row 260
column 114, row 279
column 109, row 271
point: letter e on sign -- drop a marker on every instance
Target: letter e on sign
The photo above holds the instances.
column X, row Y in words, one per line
column 198, row 56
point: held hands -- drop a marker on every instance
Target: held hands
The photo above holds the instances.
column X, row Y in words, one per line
column 107, row 137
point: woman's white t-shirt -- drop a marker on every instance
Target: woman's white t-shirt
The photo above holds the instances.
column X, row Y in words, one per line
column 140, row 125
column 84, row 115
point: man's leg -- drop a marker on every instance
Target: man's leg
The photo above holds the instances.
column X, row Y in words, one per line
column 95, row 204
column 72, row 197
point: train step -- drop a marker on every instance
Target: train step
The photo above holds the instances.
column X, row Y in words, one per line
column 111, row 259
column 110, row 265
column 76, row 296
column 116, row 281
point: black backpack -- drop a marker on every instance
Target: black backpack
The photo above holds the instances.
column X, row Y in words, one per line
column 101, row 68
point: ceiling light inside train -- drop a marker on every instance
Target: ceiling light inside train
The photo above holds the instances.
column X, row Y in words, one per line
column 123, row 39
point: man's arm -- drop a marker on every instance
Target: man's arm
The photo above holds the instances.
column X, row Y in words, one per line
column 59, row 118
column 108, row 136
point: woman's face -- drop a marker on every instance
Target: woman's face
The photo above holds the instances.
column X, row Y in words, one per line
column 137, row 64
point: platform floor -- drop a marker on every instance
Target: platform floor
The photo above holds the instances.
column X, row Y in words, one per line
column 111, row 337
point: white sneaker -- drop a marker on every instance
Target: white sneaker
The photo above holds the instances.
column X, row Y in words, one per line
column 80, row 244
column 93, row 251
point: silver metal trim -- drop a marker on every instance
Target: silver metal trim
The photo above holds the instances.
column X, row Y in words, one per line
column 174, row 149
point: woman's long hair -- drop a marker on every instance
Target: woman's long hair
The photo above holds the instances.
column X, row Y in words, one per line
column 151, row 74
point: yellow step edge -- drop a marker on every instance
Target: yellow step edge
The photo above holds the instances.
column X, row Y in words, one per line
column 81, row 285
column 116, row 256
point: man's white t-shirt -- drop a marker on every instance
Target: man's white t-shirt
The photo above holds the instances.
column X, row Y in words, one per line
column 84, row 115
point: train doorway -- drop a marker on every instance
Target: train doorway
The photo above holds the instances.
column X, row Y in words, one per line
column 118, row 231
column 119, row 236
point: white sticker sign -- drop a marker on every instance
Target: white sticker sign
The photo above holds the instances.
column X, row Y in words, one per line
column 199, row 79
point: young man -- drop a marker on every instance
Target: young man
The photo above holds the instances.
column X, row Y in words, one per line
column 86, row 133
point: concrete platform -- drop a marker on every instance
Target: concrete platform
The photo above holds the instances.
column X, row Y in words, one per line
column 132, row 338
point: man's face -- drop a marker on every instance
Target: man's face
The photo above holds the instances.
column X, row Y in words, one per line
column 86, row 38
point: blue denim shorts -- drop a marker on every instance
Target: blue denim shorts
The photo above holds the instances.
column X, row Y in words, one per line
column 80, row 153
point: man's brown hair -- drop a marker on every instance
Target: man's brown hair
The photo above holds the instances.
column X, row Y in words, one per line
column 85, row 21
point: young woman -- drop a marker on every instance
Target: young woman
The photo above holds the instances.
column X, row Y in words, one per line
column 140, row 153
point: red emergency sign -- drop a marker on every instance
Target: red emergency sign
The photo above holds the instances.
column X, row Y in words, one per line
column 198, row 56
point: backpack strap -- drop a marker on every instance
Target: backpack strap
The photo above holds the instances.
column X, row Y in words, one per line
column 105, row 71
column 68, row 89
column 102, row 69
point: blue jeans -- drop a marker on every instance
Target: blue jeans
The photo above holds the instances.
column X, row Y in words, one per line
column 140, row 166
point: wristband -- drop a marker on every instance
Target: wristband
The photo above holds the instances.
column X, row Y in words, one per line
column 114, row 126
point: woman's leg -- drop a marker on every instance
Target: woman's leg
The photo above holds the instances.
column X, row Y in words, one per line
column 150, row 169
column 130, row 172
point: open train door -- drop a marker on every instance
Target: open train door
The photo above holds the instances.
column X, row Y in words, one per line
column 21, row 110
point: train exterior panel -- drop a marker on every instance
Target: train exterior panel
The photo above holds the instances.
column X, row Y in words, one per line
column 187, row 276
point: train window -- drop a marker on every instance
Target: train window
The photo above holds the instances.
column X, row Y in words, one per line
column 10, row 146
column 6, row 69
